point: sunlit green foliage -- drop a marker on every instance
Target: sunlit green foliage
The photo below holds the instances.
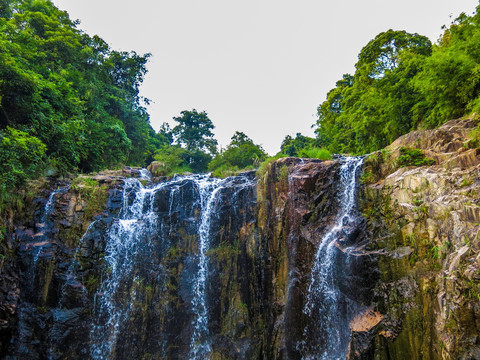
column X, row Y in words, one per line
column 402, row 83
column 291, row 146
column 193, row 144
column 71, row 91
column 315, row 153
column 413, row 157
column 450, row 80
column 173, row 160
column 370, row 109
column 303, row 146
column 194, row 131
column 241, row 154
column 20, row 156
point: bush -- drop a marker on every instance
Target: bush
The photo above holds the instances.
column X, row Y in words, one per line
column 315, row 153
column 21, row 156
column 413, row 157
column 241, row 154
column 172, row 159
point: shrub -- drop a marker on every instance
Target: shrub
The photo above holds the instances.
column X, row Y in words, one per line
column 241, row 154
column 20, row 157
column 173, row 160
column 315, row 153
column 413, row 157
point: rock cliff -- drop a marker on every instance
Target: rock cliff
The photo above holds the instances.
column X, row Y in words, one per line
column 121, row 266
column 425, row 221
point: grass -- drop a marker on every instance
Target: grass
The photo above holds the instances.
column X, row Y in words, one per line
column 311, row 153
column 265, row 165
column 315, row 153
column 226, row 171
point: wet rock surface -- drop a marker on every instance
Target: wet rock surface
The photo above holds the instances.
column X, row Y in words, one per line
column 408, row 263
column 261, row 245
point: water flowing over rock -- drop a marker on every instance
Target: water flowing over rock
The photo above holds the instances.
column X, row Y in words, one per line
column 327, row 335
column 344, row 259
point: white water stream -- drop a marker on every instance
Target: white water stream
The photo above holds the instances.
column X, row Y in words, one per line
column 323, row 297
column 137, row 224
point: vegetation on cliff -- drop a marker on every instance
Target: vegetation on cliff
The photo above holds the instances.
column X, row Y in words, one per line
column 421, row 208
column 70, row 103
column 67, row 101
column 402, row 82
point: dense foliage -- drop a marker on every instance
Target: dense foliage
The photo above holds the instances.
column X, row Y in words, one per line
column 303, row 146
column 189, row 147
column 67, row 101
column 413, row 157
column 241, row 154
column 292, row 146
column 402, row 82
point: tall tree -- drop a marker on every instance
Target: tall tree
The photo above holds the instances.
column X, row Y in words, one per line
column 241, row 153
column 450, row 78
column 291, row 146
column 370, row 109
column 71, row 91
column 194, row 131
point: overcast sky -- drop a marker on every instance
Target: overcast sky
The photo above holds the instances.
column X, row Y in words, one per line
column 261, row 67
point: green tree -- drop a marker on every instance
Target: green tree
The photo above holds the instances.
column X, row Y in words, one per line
column 172, row 159
column 70, row 90
column 291, row 146
column 21, row 156
column 370, row 109
column 241, row 153
column 450, row 79
column 194, row 131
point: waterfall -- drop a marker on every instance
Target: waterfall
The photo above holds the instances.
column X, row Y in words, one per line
column 199, row 343
column 194, row 267
column 209, row 190
column 128, row 238
column 141, row 237
column 45, row 224
column 326, row 335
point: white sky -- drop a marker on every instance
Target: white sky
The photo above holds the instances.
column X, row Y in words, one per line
column 261, row 67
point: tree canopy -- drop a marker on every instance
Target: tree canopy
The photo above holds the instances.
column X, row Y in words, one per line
column 402, row 82
column 293, row 146
column 194, row 131
column 242, row 153
column 368, row 110
column 69, row 92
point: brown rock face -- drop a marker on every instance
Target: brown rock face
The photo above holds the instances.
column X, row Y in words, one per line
column 425, row 219
column 406, row 264
column 261, row 251
column 366, row 321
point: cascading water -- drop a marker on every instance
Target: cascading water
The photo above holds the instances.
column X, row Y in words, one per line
column 327, row 334
column 45, row 224
column 196, row 267
column 128, row 238
column 137, row 241
column 199, row 343
column 209, row 190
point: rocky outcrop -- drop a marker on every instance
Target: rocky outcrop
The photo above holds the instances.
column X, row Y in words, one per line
column 426, row 221
column 261, row 247
column 52, row 307
column 407, row 263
